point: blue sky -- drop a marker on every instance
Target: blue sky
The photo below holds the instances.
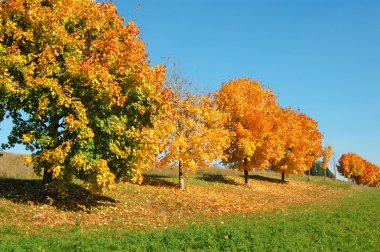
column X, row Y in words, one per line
column 319, row 56
column 322, row 57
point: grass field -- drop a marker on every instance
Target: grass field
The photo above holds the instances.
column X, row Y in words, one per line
column 215, row 212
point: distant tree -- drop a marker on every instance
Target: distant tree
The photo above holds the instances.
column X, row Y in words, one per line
column 252, row 113
column 370, row 175
column 326, row 155
column 79, row 89
column 316, row 170
column 351, row 166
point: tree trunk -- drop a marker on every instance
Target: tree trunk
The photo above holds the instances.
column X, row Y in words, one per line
column 308, row 175
column 47, row 177
column 53, row 132
column 181, row 176
column 334, row 165
column 246, row 182
column 325, row 173
column 283, row 176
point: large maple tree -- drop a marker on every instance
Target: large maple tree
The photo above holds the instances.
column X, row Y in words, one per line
column 300, row 143
column 252, row 114
column 76, row 82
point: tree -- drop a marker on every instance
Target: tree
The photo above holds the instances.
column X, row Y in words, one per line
column 370, row 175
column 300, row 143
column 327, row 153
column 79, row 89
column 351, row 166
column 316, row 170
column 252, row 112
column 197, row 135
column 358, row 169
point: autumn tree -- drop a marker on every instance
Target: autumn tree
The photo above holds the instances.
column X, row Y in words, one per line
column 370, row 175
column 79, row 89
column 326, row 155
column 197, row 135
column 354, row 167
column 252, row 114
column 351, row 165
column 300, row 143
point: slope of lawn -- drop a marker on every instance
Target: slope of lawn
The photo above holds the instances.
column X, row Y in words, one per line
column 215, row 212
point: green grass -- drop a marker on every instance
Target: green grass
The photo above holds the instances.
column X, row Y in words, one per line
column 350, row 224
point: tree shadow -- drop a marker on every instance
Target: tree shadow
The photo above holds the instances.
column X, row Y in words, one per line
column 219, row 178
column 272, row 180
column 72, row 198
column 158, row 181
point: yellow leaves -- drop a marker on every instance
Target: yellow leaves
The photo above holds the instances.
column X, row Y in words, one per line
column 27, row 160
column 26, row 138
column 197, row 135
column 327, row 153
column 101, row 177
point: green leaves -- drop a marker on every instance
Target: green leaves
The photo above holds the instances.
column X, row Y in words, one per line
column 82, row 82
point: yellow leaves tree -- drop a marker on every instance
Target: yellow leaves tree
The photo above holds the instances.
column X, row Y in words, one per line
column 300, row 143
column 326, row 155
column 252, row 112
column 79, row 89
column 197, row 137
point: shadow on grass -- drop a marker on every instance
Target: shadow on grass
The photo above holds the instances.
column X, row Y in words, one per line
column 272, row 180
column 219, row 178
column 73, row 198
column 159, row 181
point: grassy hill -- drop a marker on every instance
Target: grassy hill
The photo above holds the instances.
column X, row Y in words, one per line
column 215, row 212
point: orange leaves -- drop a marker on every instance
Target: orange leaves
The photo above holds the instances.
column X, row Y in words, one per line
column 250, row 109
column 265, row 134
column 360, row 170
column 300, row 142
column 351, row 165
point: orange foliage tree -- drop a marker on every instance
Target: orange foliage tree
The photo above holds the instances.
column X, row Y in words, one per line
column 358, row 169
column 351, row 166
column 370, row 175
column 300, row 143
column 197, row 137
column 252, row 114
column 326, row 155
column 78, row 86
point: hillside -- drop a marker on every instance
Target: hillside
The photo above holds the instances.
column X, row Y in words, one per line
column 158, row 216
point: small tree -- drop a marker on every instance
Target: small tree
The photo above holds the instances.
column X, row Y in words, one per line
column 327, row 153
column 197, row 135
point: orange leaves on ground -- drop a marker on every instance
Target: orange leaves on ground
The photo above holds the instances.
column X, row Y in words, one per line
column 146, row 205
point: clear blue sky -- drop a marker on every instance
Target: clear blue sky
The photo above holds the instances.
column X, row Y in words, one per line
column 319, row 56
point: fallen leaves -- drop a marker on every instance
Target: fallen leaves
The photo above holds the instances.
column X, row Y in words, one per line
column 150, row 206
